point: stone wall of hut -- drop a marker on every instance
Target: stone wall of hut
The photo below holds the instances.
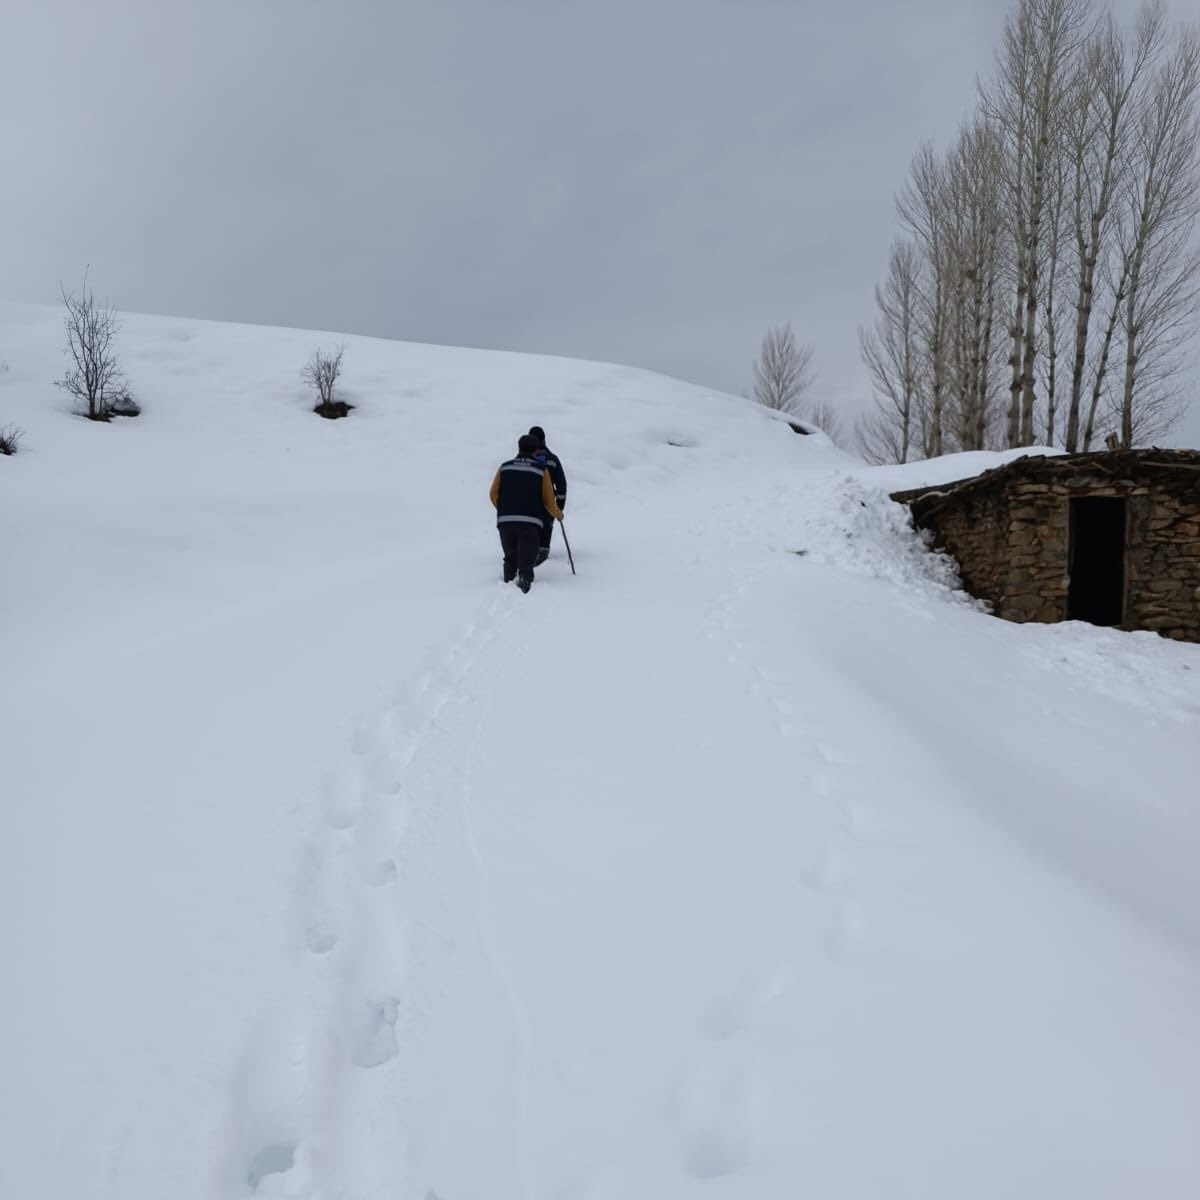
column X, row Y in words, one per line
column 1164, row 562
column 973, row 528
column 1036, row 538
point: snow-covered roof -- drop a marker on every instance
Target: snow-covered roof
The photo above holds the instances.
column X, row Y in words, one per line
column 1106, row 462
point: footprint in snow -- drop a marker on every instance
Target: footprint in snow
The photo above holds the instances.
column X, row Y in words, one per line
column 716, row 1108
column 772, row 678
column 375, row 1040
column 321, row 937
column 379, row 874
column 594, row 1188
column 824, row 784
column 339, row 799
column 836, row 757
column 320, row 888
column 735, row 1011
column 364, row 738
column 862, row 820
column 826, row 870
column 842, row 932
column 384, row 776
column 277, row 1158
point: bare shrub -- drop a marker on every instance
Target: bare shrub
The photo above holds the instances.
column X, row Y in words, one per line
column 321, row 373
column 10, row 439
column 94, row 378
column 124, row 405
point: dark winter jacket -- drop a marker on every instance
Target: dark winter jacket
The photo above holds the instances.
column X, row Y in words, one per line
column 523, row 493
column 551, row 462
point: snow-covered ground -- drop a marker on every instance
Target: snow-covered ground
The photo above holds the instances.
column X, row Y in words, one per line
column 752, row 861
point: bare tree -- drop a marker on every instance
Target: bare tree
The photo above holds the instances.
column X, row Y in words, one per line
column 783, row 371
column 1156, row 225
column 973, row 220
column 94, row 377
column 321, row 373
column 1100, row 104
column 890, row 352
column 922, row 213
column 1036, row 67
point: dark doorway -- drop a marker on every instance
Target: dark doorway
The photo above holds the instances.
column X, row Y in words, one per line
column 1096, row 592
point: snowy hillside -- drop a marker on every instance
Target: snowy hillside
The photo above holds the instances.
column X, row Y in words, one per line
column 753, row 861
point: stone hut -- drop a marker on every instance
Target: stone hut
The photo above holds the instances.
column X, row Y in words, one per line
column 1112, row 538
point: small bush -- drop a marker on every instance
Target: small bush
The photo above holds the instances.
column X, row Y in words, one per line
column 124, row 405
column 10, row 439
column 321, row 373
column 94, row 375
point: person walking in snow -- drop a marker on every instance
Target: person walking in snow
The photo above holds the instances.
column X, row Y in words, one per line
column 558, row 476
column 523, row 495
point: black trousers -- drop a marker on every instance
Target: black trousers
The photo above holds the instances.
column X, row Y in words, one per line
column 520, row 542
column 547, row 533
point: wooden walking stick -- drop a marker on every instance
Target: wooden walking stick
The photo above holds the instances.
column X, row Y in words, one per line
column 570, row 556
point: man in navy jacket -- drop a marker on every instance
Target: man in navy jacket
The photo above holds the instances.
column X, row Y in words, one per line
column 558, row 476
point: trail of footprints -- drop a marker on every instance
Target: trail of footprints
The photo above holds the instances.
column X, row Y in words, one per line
column 828, row 872
column 720, row 1098
column 350, row 922
column 368, row 809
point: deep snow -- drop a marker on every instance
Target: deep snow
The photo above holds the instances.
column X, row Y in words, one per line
column 753, row 861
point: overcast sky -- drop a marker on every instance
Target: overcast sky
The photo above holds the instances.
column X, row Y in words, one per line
column 649, row 182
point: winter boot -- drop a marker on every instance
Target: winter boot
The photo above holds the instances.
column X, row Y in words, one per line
column 524, row 582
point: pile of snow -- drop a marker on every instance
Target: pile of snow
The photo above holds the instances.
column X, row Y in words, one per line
column 335, row 868
column 853, row 525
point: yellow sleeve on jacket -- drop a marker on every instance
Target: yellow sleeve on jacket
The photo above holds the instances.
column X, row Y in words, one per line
column 548, row 498
column 495, row 491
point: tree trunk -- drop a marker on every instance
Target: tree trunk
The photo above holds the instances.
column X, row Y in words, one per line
column 939, row 388
column 1102, row 366
column 1014, row 387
